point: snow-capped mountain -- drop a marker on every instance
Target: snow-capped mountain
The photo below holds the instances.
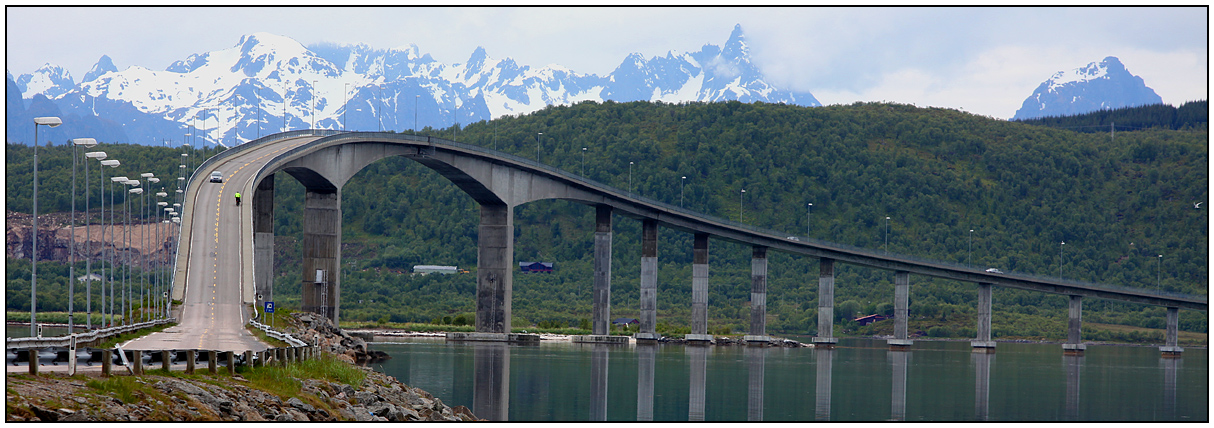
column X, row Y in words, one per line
column 1096, row 86
column 268, row 83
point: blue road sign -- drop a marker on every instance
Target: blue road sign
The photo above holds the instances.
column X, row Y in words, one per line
column 269, row 307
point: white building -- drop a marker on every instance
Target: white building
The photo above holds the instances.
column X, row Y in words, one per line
column 429, row 269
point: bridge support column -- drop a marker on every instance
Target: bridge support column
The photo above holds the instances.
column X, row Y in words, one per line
column 1171, row 348
column 601, row 319
column 1074, row 340
column 649, row 281
column 495, row 253
column 758, row 297
column 826, row 305
column 321, row 288
column 699, row 290
column 983, row 342
column 263, row 238
column 901, row 299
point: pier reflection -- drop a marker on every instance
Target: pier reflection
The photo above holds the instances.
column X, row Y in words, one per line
column 598, row 382
column 1073, row 365
column 756, row 357
column 822, row 389
column 897, row 406
column 698, row 357
column 1171, row 366
column 646, row 358
column 982, row 384
column 491, row 381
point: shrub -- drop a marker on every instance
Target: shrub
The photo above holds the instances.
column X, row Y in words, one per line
column 939, row 331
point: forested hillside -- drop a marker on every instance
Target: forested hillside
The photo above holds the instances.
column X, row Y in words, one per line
column 936, row 173
column 1193, row 115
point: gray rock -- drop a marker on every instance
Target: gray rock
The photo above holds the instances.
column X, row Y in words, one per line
column 299, row 404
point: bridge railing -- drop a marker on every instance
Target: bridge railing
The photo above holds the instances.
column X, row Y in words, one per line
column 88, row 336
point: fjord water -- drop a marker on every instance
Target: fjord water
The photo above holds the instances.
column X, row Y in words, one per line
column 860, row 380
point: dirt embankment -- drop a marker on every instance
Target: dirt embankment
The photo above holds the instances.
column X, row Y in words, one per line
column 128, row 244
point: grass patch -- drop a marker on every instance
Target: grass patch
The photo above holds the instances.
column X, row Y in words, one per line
column 122, row 387
column 283, row 381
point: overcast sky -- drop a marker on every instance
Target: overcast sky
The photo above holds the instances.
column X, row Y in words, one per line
column 984, row 60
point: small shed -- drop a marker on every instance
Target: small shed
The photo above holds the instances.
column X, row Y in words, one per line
column 866, row 320
column 625, row 321
column 535, row 267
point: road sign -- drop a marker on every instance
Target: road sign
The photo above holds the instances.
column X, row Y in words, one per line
column 269, row 307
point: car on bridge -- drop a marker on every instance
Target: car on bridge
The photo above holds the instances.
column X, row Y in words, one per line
column 993, row 270
column 216, row 177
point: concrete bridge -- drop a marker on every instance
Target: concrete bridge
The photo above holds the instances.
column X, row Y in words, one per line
column 323, row 161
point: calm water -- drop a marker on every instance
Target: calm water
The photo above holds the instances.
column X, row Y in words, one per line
column 858, row 381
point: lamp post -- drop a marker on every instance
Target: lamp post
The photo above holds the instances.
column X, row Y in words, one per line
column 52, row 122
column 682, row 186
column 1060, row 259
column 131, row 295
column 71, row 284
column 583, row 151
column 808, row 212
column 1159, row 271
column 538, row 136
column 379, row 112
column 313, row 104
column 971, row 252
column 88, row 261
column 160, row 240
column 128, row 278
column 415, row 98
column 887, row 234
column 630, row 177
column 144, row 283
column 113, row 242
column 259, row 116
column 344, row 105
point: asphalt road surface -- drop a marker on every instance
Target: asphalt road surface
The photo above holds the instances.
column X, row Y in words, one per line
column 212, row 315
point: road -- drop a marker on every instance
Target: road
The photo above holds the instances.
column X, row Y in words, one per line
column 212, row 315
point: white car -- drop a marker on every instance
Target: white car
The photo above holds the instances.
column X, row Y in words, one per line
column 993, row 270
column 216, row 177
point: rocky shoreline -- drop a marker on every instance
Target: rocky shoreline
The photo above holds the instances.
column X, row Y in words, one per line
column 53, row 397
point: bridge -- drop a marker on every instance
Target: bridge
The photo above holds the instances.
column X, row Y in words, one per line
column 226, row 267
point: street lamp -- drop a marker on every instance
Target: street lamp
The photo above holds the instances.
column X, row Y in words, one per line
column 740, row 195
column 143, row 240
column 88, row 242
column 131, row 295
column 629, row 177
column 415, row 98
column 114, row 243
column 1159, row 272
column 537, row 145
column 52, row 122
column 313, row 104
column 808, row 211
column 71, row 284
column 583, row 152
column 682, row 179
column 971, row 253
column 1060, row 259
column 345, row 101
column 887, row 234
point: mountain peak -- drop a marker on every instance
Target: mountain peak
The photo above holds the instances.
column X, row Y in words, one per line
column 1096, row 86
column 103, row 65
column 735, row 47
column 50, row 80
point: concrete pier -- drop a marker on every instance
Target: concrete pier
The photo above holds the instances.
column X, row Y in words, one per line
column 321, row 281
column 901, row 313
column 494, row 275
column 1074, row 338
column 649, row 281
column 1171, row 369
column 1074, row 365
column 189, row 361
column 983, row 342
column 263, row 238
column 165, row 360
column 897, row 404
column 600, row 323
column 212, row 362
column 758, row 297
column 699, row 290
column 826, row 305
column 1171, row 348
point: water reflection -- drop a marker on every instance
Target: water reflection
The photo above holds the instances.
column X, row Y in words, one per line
column 897, row 405
column 698, row 356
column 491, row 381
column 598, row 383
column 1073, row 364
column 756, row 357
column 1171, row 366
column 822, row 389
column 646, row 358
column 982, row 384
